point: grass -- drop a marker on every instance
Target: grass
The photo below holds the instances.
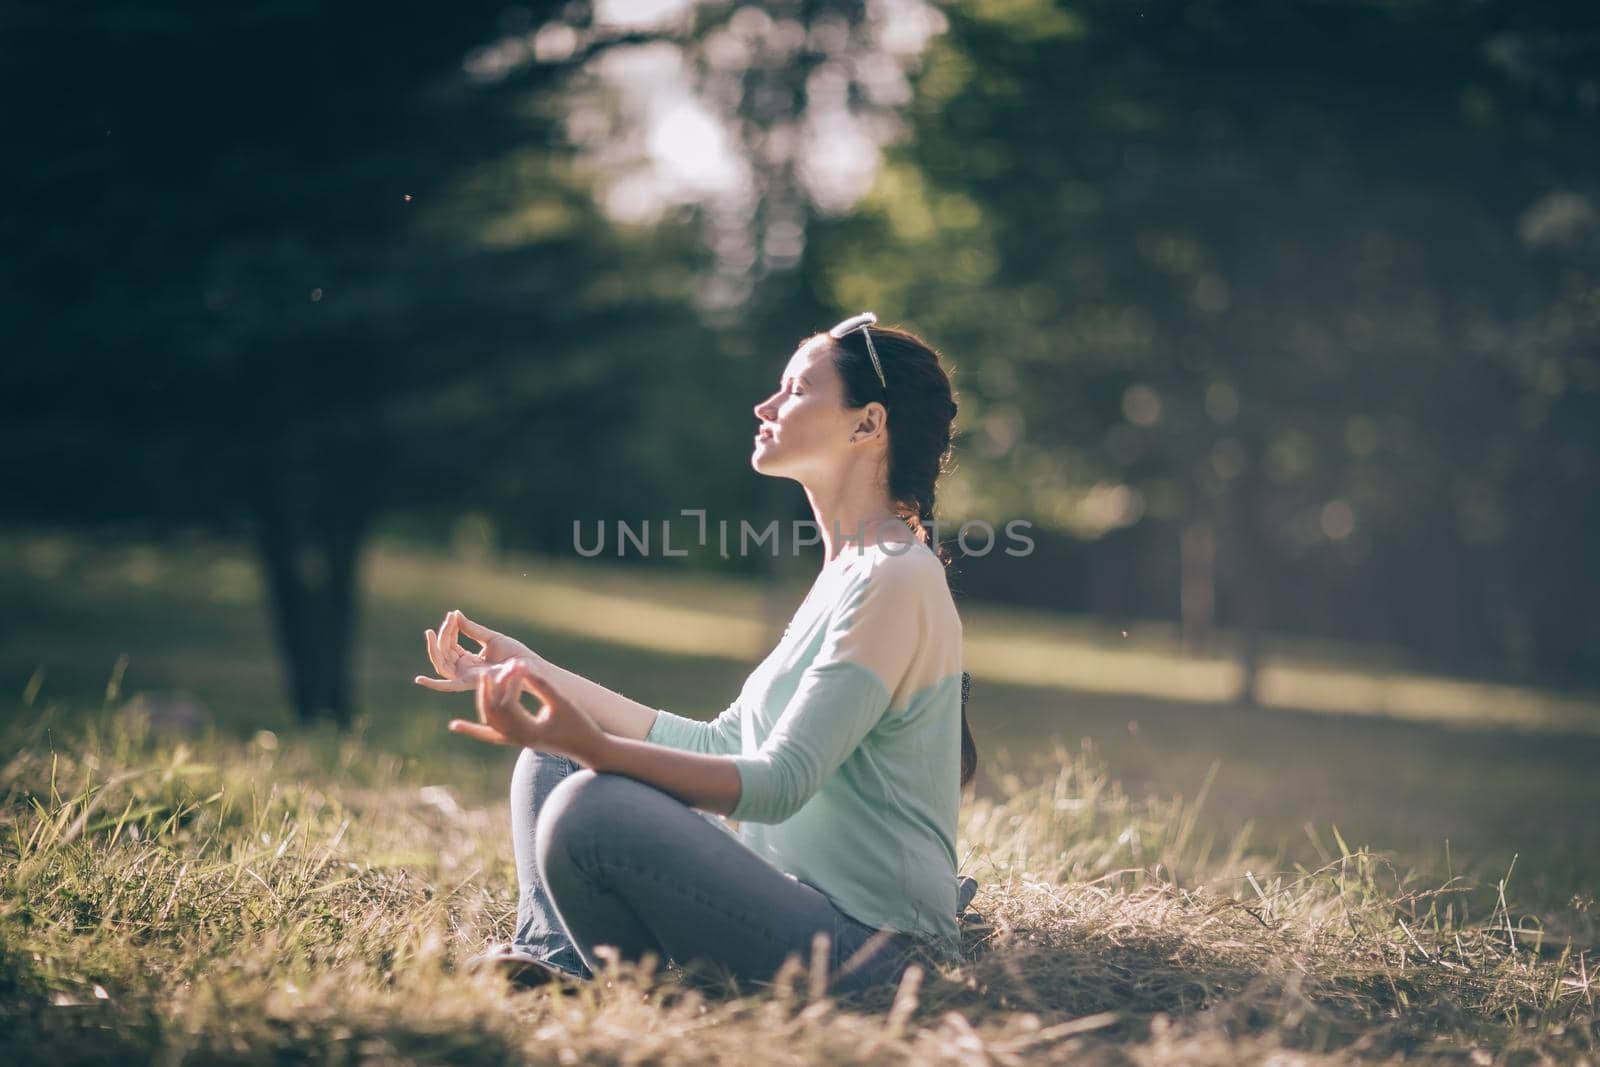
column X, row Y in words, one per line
column 218, row 901
column 1464, row 796
column 1190, row 886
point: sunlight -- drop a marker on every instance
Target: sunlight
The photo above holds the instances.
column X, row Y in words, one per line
column 691, row 149
column 640, row 14
column 1009, row 646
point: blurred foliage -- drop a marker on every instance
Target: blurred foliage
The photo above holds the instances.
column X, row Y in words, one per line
column 1308, row 291
column 288, row 258
column 1274, row 315
column 293, row 268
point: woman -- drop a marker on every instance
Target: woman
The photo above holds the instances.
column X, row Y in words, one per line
column 841, row 761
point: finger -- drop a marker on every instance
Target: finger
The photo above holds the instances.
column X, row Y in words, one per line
column 449, row 634
column 513, row 681
column 494, row 697
column 436, row 655
column 479, row 732
column 477, row 631
column 508, row 694
column 486, row 695
column 443, row 661
column 455, row 649
column 441, row 685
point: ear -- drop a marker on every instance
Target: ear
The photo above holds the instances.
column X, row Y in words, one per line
column 874, row 417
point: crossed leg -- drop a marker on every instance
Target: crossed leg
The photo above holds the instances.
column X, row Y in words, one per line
column 627, row 865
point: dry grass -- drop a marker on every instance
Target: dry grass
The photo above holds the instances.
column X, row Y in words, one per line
column 275, row 902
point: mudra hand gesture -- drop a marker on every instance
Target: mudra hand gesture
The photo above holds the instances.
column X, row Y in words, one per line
column 460, row 668
column 557, row 726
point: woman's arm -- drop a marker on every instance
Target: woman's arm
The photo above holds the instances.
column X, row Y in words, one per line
column 459, row 670
column 709, row 782
column 612, row 712
column 841, row 696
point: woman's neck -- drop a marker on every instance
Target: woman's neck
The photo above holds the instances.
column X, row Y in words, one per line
column 857, row 524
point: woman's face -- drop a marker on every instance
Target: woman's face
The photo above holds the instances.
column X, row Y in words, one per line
column 804, row 426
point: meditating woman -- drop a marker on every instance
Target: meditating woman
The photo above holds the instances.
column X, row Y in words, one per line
column 841, row 762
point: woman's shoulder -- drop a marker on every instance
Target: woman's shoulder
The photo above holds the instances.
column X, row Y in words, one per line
column 907, row 596
column 910, row 573
column 910, row 561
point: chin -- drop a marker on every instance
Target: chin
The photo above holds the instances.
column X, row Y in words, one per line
column 762, row 461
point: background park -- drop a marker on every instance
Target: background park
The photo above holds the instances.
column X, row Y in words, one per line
column 1277, row 322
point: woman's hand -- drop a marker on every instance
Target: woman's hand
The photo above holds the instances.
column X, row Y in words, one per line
column 460, row 668
column 558, row 726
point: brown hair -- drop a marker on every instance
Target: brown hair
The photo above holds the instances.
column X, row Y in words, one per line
column 922, row 409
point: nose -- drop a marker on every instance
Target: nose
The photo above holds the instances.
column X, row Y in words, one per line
column 765, row 411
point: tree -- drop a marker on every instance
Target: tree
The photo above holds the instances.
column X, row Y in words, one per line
column 1298, row 287
column 290, row 267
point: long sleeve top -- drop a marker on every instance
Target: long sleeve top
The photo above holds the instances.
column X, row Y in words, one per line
column 847, row 739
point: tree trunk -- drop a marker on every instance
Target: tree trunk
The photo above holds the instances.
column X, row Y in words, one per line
column 1197, row 583
column 311, row 522
column 1248, row 562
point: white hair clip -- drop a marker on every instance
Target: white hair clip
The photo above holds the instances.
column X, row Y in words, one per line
column 861, row 322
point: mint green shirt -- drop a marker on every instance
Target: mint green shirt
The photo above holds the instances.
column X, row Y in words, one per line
column 847, row 739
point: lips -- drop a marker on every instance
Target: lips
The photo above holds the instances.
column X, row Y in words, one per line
column 764, row 434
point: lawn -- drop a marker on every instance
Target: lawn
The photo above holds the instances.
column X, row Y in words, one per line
column 1197, row 882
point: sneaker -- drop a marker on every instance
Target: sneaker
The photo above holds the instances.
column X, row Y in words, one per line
column 966, row 889
column 517, row 965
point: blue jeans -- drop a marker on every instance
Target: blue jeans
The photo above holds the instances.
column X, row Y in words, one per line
column 608, row 860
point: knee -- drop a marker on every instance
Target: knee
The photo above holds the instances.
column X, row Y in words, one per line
column 567, row 804
column 587, row 809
